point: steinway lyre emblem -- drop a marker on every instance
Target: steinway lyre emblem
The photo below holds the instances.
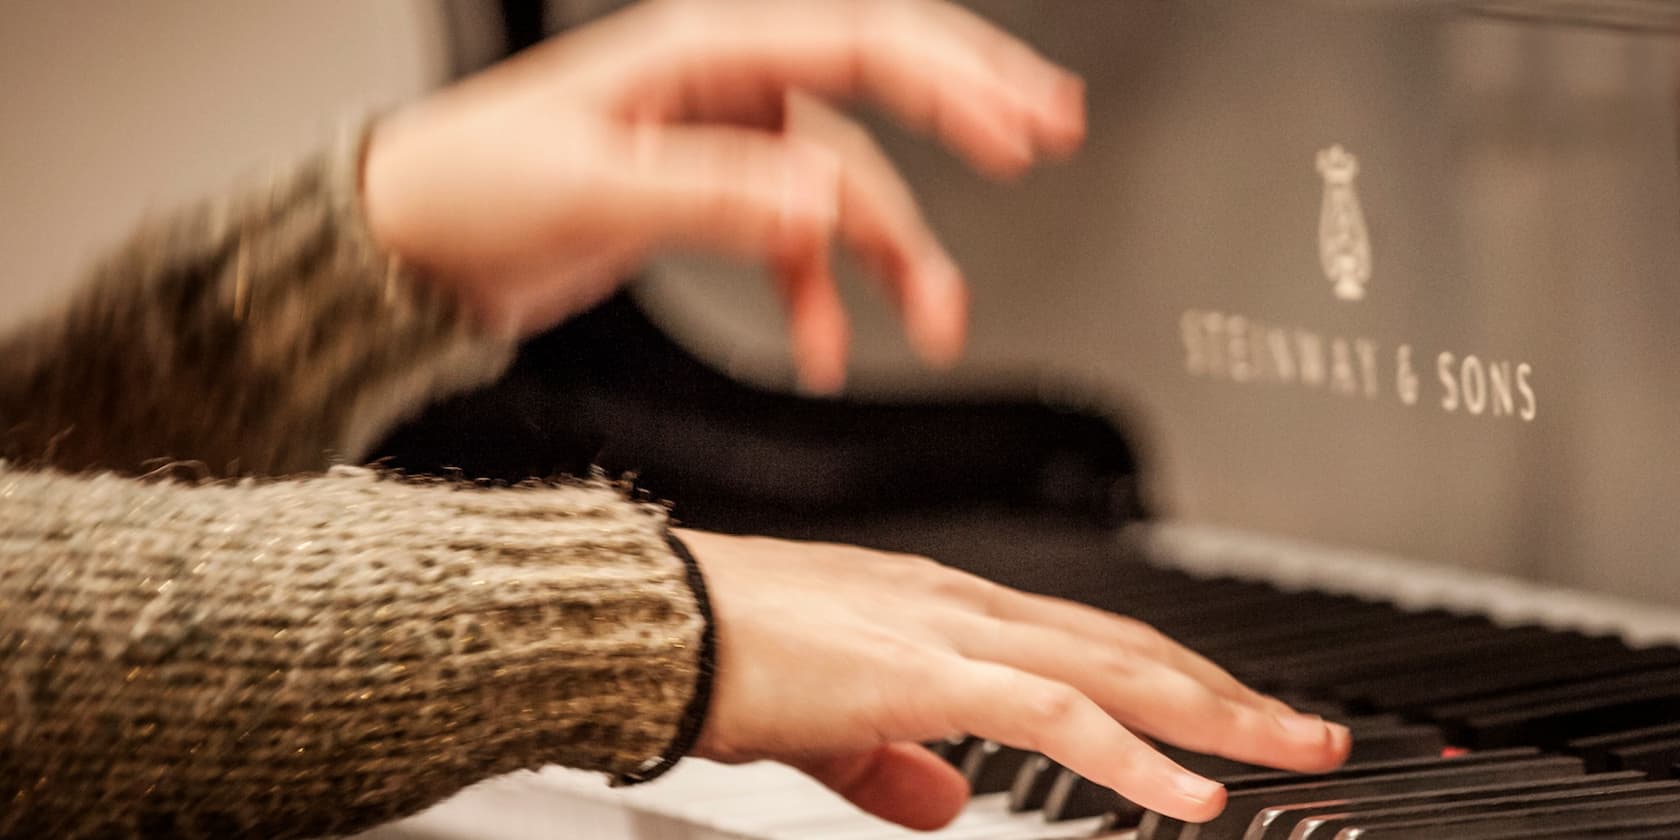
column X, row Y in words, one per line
column 1344, row 246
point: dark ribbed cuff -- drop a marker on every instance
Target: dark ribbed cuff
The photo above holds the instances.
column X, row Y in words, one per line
column 694, row 715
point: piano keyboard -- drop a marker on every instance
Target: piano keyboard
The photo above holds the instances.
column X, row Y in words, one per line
column 1481, row 708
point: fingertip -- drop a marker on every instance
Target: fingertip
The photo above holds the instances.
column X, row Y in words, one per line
column 1320, row 744
column 820, row 358
column 1159, row 784
column 818, row 379
column 1063, row 114
column 1199, row 799
column 999, row 140
column 937, row 316
column 1341, row 744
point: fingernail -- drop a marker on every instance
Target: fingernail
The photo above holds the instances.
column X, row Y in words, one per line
column 1340, row 738
column 1310, row 728
column 1058, row 93
column 1191, row 786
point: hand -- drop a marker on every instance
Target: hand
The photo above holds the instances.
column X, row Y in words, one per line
column 534, row 187
column 839, row 660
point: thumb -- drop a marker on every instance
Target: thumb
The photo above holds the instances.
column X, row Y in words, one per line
column 739, row 191
column 901, row 783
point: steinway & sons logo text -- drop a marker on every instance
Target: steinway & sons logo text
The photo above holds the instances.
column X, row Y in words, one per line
column 1235, row 348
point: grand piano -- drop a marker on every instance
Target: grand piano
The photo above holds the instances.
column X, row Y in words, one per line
column 1345, row 354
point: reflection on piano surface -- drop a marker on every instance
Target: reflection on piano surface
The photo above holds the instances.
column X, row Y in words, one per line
column 1523, row 204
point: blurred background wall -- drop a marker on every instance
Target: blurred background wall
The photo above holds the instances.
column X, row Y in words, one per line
column 111, row 108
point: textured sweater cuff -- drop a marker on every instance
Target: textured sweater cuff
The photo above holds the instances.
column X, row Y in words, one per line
column 317, row 656
column 694, row 713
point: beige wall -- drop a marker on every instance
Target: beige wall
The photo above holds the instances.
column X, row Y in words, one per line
column 110, row 108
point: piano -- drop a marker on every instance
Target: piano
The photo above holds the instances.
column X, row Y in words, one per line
column 1345, row 355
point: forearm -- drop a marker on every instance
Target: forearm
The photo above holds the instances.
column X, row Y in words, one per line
column 265, row 333
column 315, row 656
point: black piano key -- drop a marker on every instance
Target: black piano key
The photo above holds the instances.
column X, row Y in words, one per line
column 954, row 750
column 1374, row 629
column 1255, row 651
column 1329, row 825
column 1246, row 795
column 1414, row 741
column 1556, row 723
column 1554, row 818
column 1395, row 654
column 1211, row 766
column 991, row 767
column 1363, row 723
column 1622, row 827
column 1207, row 602
column 1458, row 711
column 1550, row 648
column 1032, row 783
column 1653, row 758
column 1595, row 749
column 1073, row 797
column 1476, row 679
column 1310, row 615
column 1377, row 650
column 1279, row 822
column 1302, row 624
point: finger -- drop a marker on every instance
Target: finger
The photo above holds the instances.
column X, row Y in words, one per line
column 1054, row 98
column 1119, row 631
column 879, row 219
column 900, row 783
column 816, row 320
column 1033, row 713
column 738, row 191
column 1151, row 697
column 901, row 53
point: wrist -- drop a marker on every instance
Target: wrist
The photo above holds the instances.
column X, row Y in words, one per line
column 699, row 704
column 394, row 203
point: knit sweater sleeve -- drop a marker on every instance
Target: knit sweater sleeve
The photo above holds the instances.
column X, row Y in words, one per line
column 291, row 657
column 259, row 333
column 315, row 656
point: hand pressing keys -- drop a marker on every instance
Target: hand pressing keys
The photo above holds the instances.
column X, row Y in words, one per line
column 840, row 660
